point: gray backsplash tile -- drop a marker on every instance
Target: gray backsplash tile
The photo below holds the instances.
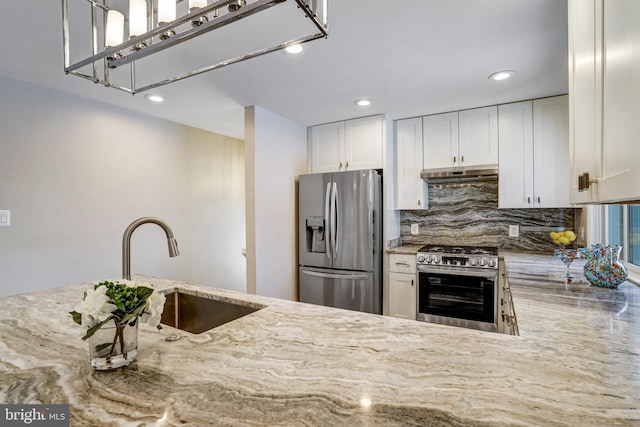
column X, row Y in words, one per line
column 467, row 214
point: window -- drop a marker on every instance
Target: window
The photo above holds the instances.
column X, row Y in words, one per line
column 622, row 227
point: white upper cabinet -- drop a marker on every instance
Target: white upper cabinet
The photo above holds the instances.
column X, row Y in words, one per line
column 327, row 147
column 461, row 139
column 620, row 178
column 478, row 137
column 604, row 88
column 551, row 166
column 534, row 154
column 515, row 130
column 440, row 143
column 411, row 190
column 348, row 145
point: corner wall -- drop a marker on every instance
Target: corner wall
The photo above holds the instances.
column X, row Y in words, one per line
column 75, row 173
column 276, row 154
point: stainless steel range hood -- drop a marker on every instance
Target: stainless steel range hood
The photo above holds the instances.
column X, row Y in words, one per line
column 465, row 173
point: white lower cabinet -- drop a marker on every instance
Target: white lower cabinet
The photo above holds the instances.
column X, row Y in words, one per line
column 402, row 286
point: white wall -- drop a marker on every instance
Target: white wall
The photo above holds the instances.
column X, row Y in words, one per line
column 75, row 173
column 276, row 154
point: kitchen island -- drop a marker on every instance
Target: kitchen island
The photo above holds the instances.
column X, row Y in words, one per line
column 576, row 363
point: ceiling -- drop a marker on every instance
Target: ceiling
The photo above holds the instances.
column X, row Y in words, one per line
column 412, row 57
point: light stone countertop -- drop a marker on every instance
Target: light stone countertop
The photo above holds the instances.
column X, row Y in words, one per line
column 405, row 249
column 576, row 363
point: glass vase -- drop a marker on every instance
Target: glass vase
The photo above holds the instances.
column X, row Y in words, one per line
column 604, row 268
column 113, row 346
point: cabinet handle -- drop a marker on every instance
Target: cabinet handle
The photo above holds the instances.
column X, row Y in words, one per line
column 454, row 159
column 411, row 282
column 346, row 165
column 461, row 159
column 584, row 181
column 340, row 167
column 418, row 202
column 402, row 263
column 539, row 200
column 528, row 200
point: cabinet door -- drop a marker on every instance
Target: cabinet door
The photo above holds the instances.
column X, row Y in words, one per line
column 440, row 140
column 585, row 94
column 620, row 179
column 364, row 142
column 478, row 137
column 402, row 295
column 327, row 147
column 551, row 152
column 411, row 190
column 515, row 132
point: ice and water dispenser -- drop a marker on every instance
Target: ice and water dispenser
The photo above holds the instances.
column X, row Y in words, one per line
column 315, row 234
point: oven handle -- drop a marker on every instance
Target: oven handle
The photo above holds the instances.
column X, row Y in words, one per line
column 471, row 272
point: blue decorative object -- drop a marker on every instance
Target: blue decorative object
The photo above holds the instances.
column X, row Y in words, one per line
column 604, row 268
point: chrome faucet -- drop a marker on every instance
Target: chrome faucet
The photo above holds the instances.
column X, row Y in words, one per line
column 126, row 242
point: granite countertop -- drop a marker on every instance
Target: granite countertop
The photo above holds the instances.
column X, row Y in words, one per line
column 405, row 249
column 575, row 363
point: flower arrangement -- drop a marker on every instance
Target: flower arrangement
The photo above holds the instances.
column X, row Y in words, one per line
column 121, row 304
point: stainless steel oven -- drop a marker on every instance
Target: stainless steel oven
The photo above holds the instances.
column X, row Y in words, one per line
column 458, row 286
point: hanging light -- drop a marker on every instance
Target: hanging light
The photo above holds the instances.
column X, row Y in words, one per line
column 137, row 17
column 166, row 14
column 114, row 34
column 202, row 17
column 195, row 5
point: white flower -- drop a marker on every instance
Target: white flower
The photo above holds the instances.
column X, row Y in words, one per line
column 95, row 307
column 154, row 308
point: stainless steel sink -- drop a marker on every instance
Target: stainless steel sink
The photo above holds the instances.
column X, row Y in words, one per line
column 197, row 314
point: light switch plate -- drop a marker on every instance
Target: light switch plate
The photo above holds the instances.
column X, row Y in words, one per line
column 5, row 218
column 514, row 231
column 415, row 229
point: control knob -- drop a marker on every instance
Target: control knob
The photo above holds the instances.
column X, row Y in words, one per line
column 483, row 262
column 420, row 258
column 436, row 259
column 473, row 262
column 492, row 263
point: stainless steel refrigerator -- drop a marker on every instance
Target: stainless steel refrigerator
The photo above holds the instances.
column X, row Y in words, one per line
column 340, row 240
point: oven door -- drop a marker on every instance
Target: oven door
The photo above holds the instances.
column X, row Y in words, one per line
column 458, row 296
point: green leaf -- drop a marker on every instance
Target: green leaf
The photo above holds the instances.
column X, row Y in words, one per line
column 144, row 292
column 102, row 346
column 92, row 330
column 77, row 317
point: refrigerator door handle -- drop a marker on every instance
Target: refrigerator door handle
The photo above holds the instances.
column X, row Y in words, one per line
column 335, row 275
column 327, row 218
column 334, row 219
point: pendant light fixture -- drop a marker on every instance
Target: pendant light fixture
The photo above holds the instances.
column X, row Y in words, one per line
column 157, row 25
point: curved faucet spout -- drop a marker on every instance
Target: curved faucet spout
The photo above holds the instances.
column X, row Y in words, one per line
column 126, row 242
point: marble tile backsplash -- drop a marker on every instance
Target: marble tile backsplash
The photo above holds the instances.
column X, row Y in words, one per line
column 467, row 214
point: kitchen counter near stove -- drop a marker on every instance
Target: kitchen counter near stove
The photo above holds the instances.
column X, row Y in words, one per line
column 575, row 363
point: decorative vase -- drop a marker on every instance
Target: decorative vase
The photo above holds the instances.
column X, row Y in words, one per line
column 603, row 267
column 114, row 346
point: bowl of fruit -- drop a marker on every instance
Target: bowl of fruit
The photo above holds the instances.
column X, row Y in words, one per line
column 563, row 238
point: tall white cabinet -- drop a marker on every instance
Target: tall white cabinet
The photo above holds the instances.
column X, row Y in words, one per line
column 347, row 145
column 534, row 154
column 604, row 88
column 461, row 139
column 411, row 190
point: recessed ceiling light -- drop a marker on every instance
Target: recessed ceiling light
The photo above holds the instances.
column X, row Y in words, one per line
column 363, row 102
column 501, row 75
column 294, row 48
column 154, row 98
